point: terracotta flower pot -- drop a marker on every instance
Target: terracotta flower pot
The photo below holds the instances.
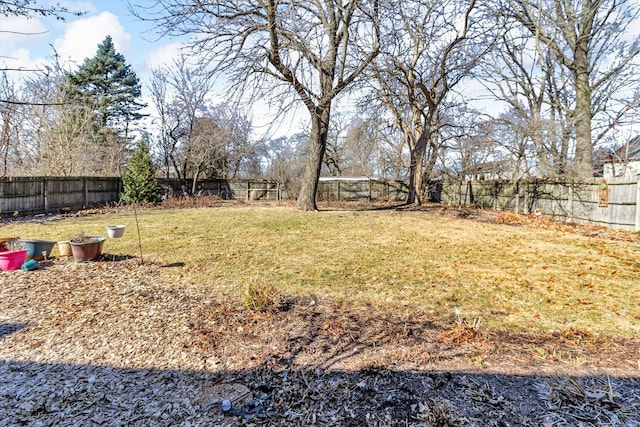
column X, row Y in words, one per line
column 87, row 251
column 12, row 260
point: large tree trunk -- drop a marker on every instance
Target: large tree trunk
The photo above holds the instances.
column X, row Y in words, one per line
column 317, row 146
column 416, row 169
column 583, row 166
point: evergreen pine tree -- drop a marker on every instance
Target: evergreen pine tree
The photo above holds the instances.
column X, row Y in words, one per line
column 139, row 176
column 111, row 88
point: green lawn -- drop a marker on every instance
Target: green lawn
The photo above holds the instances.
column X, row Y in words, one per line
column 513, row 277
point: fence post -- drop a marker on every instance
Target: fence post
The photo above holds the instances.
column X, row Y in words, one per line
column 45, row 198
column 638, row 205
column 85, row 193
column 570, row 204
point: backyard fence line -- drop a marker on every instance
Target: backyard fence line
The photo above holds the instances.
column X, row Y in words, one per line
column 24, row 196
column 617, row 205
column 612, row 203
column 21, row 196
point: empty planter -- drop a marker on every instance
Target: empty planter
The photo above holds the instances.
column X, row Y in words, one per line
column 115, row 231
column 87, row 251
column 64, row 248
column 37, row 249
column 12, row 260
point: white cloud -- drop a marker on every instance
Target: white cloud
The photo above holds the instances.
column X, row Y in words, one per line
column 163, row 56
column 18, row 34
column 82, row 37
column 21, row 59
column 17, row 29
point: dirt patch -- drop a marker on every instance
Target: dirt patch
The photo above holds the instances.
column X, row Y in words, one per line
column 120, row 343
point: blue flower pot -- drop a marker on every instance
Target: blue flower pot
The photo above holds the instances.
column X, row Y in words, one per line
column 35, row 248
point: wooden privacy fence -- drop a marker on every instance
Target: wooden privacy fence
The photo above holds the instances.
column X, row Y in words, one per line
column 247, row 189
column 22, row 196
column 614, row 203
column 356, row 188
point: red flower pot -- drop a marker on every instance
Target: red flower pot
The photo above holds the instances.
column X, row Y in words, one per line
column 87, row 251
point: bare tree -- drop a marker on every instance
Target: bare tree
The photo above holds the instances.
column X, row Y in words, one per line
column 195, row 137
column 509, row 134
column 430, row 47
column 235, row 138
column 10, row 117
column 284, row 159
column 60, row 141
column 179, row 94
column 587, row 38
column 56, row 134
column 313, row 49
column 360, row 149
column 31, row 8
column 535, row 91
column 333, row 155
column 373, row 148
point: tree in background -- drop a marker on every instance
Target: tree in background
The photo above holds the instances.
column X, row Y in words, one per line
column 429, row 48
column 197, row 139
column 108, row 85
column 284, row 160
column 10, row 119
column 307, row 51
column 58, row 135
column 139, row 176
column 218, row 144
column 593, row 59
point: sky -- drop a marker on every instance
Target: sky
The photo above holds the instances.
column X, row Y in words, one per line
column 77, row 38
column 29, row 43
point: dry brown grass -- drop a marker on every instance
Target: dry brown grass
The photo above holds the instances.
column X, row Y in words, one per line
column 519, row 278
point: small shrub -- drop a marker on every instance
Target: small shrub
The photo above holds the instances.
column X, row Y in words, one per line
column 139, row 176
column 261, row 296
column 462, row 331
column 13, row 245
column 80, row 237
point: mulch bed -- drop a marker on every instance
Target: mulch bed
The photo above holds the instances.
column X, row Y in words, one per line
column 119, row 343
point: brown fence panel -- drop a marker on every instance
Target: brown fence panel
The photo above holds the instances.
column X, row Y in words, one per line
column 21, row 195
column 342, row 188
column 570, row 202
column 64, row 194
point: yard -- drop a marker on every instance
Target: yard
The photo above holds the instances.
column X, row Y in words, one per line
column 346, row 316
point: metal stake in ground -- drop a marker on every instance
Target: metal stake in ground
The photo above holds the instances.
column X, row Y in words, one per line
column 135, row 214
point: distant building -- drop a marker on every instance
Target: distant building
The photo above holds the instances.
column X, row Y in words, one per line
column 625, row 161
column 488, row 171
